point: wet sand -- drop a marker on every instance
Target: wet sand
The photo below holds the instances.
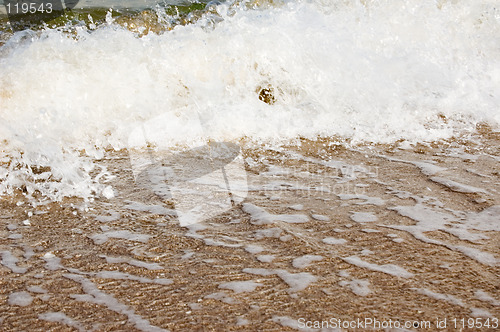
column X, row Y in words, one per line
column 325, row 232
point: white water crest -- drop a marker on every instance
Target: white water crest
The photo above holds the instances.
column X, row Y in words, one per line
column 367, row 71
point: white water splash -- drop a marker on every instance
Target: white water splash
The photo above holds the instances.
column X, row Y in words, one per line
column 368, row 71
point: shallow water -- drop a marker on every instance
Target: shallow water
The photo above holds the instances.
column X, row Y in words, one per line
column 324, row 232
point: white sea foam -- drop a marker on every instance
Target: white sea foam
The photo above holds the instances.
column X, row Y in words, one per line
column 266, row 258
column 240, row 321
column 443, row 297
column 304, row 261
column 368, row 200
column 240, row 286
column 297, row 207
column 363, row 217
column 254, row 249
column 119, row 234
column 10, row 261
column 289, row 322
column 391, row 269
column 359, row 287
column 112, row 217
column 320, row 217
column 37, row 289
column 212, row 242
column 478, row 312
column 117, row 275
column 296, row 281
column 456, row 186
column 62, row 318
column 483, row 296
column 430, row 219
column 221, row 296
column 332, row 240
column 268, row 232
column 52, row 262
column 367, row 70
column 20, row 298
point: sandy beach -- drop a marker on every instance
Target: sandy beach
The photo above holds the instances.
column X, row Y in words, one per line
column 327, row 232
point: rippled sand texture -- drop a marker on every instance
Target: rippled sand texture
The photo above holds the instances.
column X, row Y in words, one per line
column 325, row 232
